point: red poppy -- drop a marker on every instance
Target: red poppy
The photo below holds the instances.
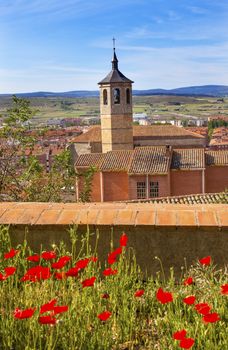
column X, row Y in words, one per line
column 37, row 273
column 60, row 309
column 11, row 254
column 123, row 240
column 203, row 308
column 211, row 318
column 179, row 335
column 189, row 300
column 47, row 319
column 188, row 281
column 60, row 275
column 10, row 271
column 2, row 278
column 48, row 307
column 113, row 256
column 111, row 259
column 88, row 282
column 105, row 296
column 205, row 261
column 104, row 315
column 61, row 262
column 224, row 289
column 164, row 297
column 139, row 293
column 48, row 255
column 21, row 314
column 82, row 264
column 35, row 258
column 186, row 343
column 73, row 272
column 109, row 271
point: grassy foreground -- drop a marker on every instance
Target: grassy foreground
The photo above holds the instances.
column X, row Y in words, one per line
column 57, row 300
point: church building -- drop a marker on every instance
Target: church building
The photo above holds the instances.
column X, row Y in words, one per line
column 143, row 162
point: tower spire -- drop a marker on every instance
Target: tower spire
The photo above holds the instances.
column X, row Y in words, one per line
column 114, row 59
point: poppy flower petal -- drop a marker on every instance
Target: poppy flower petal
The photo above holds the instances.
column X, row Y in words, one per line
column 104, row 316
column 186, row 343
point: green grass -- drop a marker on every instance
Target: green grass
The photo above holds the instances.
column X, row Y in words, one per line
column 135, row 323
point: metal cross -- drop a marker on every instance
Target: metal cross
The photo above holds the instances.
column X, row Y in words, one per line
column 114, row 43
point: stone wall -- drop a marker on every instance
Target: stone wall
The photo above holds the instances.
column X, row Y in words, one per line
column 172, row 232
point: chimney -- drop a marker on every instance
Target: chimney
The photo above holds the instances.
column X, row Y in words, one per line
column 168, row 150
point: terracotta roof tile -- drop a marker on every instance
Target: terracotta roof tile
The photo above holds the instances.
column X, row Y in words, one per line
column 216, row 157
column 158, row 215
column 93, row 134
column 116, row 161
column 188, row 159
column 140, row 131
column 149, row 160
column 89, row 159
column 193, row 199
column 163, row 131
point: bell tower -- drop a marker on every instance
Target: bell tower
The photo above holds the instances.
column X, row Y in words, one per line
column 116, row 109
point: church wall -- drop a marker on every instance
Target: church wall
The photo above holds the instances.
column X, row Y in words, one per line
column 115, row 186
column 216, row 178
column 172, row 141
column 185, row 182
column 163, row 180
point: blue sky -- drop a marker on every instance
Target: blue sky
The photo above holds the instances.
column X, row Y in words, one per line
column 63, row 45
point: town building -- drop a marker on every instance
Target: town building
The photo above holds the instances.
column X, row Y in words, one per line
column 152, row 172
column 219, row 138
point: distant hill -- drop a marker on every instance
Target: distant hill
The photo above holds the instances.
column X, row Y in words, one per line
column 205, row 90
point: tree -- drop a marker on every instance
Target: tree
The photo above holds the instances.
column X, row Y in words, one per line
column 22, row 176
column 86, row 181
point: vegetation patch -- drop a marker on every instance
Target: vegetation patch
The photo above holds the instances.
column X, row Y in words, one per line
column 61, row 299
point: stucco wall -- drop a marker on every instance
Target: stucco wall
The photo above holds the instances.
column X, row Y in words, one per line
column 171, row 232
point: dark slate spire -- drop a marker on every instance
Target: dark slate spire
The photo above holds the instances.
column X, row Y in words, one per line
column 114, row 60
column 115, row 76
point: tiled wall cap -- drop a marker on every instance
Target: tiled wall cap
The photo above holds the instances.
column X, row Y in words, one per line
column 159, row 215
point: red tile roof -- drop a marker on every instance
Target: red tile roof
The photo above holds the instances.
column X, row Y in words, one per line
column 188, row 159
column 150, row 160
column 193, row 199
column 116, row 161
column 216, row 157
column 142, row 160
column 89, row 159
column 140, row 131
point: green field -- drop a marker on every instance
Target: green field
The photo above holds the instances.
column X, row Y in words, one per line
column 168, row 107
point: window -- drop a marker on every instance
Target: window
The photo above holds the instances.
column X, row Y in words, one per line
column 128, row 97
column 154, row 189
column 105, row 97
column 116, row 95
column 141, row 190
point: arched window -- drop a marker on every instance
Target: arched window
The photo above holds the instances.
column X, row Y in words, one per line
column 105, row 97
column 128, row 97
column 116, row 95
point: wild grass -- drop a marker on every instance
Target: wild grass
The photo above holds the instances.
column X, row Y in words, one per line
column 135, row 322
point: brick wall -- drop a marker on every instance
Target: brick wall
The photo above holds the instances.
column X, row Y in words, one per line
column 115, row 186
column 172, row 232
column 163, row 180
column 216, row 178
column 185, row 182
